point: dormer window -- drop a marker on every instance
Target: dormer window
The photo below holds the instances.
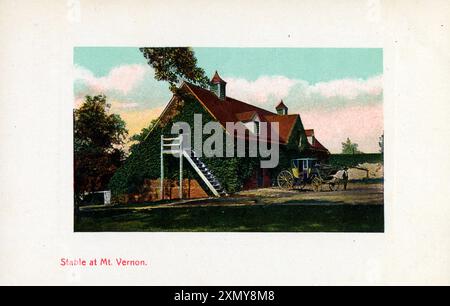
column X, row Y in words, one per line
column 251, row 120
column 310, row 136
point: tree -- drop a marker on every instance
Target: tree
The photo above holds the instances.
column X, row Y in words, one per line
column 381, row 143
column 99, row 140
column 175, row 65
column 350, row 148
column 138, row 138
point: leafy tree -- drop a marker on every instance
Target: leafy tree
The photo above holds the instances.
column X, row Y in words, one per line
column 350, row 148
column 174, row 65
column 99, row 140
column 138, row 138
column 381, row 143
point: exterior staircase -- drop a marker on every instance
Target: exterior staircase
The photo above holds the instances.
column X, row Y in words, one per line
column 174, row 145
column 207, row 176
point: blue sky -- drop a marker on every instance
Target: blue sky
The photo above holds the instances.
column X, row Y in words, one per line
column 312, row 65
column 309, row 64
column 338, row 92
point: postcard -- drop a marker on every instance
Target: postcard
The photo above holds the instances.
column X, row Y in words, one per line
column 237, row 143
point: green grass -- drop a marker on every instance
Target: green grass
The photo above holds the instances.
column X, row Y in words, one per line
column 256, row 218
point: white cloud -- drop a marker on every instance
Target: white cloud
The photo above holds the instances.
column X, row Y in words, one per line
column 127, row 87
column 81, row 73
column 261, row 90
column 267, row 90
column 348, row 88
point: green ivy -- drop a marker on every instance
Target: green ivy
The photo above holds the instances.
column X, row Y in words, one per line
column 144, row 162
column 232, row 172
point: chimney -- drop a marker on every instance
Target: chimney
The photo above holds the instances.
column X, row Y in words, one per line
column 281, row 108
column 218, row 86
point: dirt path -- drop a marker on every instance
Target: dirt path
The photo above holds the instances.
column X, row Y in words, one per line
column 356, row 193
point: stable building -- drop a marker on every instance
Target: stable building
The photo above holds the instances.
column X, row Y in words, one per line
column 140, row 176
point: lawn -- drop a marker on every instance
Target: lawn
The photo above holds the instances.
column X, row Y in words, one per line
column 245, row 218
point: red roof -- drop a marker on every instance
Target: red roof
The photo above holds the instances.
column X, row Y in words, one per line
column 246, row 116
column 316, row 145
column 309, row 132
column 217, row 79
column 280, row 105
column 286, row 124
column 232, row 110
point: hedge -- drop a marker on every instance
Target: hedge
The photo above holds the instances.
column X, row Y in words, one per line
column 350, row 160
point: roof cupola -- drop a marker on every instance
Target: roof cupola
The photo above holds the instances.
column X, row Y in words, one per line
column 281, row 108
column 218, row 86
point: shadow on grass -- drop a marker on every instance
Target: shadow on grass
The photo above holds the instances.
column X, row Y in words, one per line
column 258, row 218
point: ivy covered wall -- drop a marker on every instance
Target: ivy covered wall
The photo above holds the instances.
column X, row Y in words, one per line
column 232, row 172
column 144, row 162
column 295, row 148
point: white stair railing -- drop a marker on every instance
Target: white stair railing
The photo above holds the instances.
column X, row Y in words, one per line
column 174, row 145
column 200, row 173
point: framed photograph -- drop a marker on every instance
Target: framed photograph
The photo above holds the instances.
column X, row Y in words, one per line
column 212, row 143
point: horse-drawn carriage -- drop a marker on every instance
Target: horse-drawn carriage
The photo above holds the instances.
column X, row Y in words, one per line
column 310, row 171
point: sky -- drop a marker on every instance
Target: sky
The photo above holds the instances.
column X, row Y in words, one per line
column 337, row 92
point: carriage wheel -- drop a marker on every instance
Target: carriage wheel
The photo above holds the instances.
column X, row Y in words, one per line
column 316, row 184
column 285, row 179
column 334, row 186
